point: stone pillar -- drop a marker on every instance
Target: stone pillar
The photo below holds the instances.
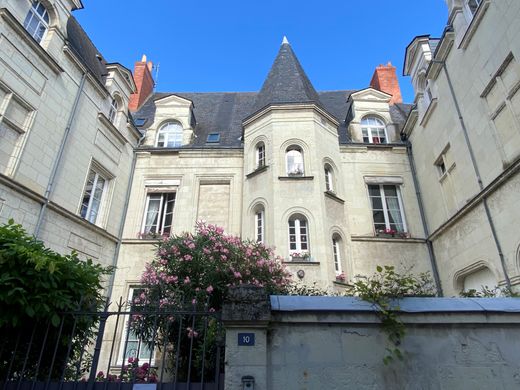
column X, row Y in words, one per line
column 246, row 315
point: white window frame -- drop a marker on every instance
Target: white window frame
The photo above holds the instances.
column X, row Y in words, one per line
column 260, row 226
column 298, row 226
column 176, row 136
column 329, row 179
column 43, row 20
column 298, row 167
column 160, row 229
column 101, row 204
column 385, row 208
column 260, row 155
column 373, row 129
column 112, row 113
column 121, row 359
column 336, row 253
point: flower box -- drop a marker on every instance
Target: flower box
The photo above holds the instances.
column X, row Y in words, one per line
column 300, row 256
column 391, row 233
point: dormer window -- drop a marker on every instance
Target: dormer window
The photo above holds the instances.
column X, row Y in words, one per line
column 374, row 130
column 294, row 160
column 170, row 135
column 37, row 21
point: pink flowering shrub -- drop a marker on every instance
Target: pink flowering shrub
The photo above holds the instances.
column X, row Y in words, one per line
column 198, row 269
column 194, row 272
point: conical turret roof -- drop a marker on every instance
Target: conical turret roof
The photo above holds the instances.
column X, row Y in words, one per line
column 286, row 82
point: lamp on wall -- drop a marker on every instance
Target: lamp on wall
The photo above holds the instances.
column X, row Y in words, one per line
column 248, row 382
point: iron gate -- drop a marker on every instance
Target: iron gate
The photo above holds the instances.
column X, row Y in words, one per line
column 115, row 350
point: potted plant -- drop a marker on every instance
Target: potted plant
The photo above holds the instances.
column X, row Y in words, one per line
column 300, row 256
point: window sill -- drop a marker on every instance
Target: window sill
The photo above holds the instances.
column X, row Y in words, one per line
column 473, row 26
column 257, row 171
column 296, row 178
column 387, row 239
column 35, row 46
column 341, row 284
column 333, row 196
column 301, row 262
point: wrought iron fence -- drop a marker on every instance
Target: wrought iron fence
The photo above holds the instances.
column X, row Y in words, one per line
column 116, row 349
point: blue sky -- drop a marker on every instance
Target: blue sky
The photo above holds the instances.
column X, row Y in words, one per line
column 229, row 45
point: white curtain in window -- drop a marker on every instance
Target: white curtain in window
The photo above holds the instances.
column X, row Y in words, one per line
column 152, row 216
column 393, row 208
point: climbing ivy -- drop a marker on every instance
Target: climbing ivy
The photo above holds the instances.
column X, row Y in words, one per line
column 383, row 290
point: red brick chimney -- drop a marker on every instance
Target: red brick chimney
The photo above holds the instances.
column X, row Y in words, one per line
column 385, row 80
column 143, row 82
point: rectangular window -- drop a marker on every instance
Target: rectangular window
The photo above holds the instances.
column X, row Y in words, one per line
column 131, row 344
column 298, row 242
column 260, row 156
column 93, row 196
column 213, row 138
column 259, row 223
column 387, row 207
column 15, row 121
column 158, row 215
column 446, row 170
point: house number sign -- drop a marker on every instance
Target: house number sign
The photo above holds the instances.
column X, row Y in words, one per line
column 247, row 339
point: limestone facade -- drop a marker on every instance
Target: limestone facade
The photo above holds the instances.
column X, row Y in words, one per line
column 465, row 132
column 59, row 130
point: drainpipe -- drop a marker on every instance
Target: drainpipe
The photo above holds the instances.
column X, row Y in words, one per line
column 123, row 218
column 57, row 161
column 429, row 244
column 477, row 173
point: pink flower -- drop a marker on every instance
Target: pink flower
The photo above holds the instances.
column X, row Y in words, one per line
column 187, row 280
column 209, row 289
column 192, row 333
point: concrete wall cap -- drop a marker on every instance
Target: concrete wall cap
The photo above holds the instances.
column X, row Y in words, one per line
column 407, row 305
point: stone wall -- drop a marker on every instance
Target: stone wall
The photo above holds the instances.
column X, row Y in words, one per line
column 337, row 343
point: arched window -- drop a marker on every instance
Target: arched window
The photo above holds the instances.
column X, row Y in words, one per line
column 374, row 130
column 298, row 236
column 329, row 178
column 112, row 113
column 336, row 252
column 170, row 135
column 259, row 224
column 294, row 160
column 37, row 21
column 260, row 155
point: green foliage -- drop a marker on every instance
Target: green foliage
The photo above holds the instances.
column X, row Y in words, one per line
column 383, row 290
column 37, row 285
column 194, row 272
column 487, row 292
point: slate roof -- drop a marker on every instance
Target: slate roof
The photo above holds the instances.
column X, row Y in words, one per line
column 83, row 47
column 286, row 83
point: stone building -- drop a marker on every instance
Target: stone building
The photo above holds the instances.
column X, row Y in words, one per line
column 66, row 139
column 465, row 132
column 322, row 176
column 329, row 178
